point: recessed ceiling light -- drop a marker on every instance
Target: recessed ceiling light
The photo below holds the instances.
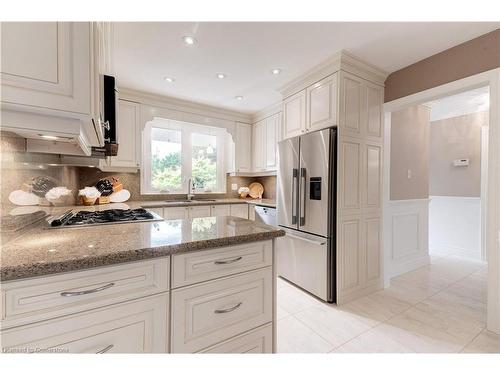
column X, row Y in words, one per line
column 239, row 97
column 46, row 136
column 169, row 79
column 221, row 75
column 276, row 71
column 189, row 40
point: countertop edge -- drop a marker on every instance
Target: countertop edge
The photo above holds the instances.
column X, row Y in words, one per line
column 153, row 204
column 28, row 271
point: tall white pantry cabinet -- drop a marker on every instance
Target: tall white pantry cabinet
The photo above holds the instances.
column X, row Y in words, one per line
column 348, row 93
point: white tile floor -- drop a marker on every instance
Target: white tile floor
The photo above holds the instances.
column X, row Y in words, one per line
column 440, row 308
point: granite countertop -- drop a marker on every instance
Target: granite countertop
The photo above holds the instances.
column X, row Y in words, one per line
column 42, row 251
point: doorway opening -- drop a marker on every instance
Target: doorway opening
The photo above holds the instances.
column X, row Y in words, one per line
column 458, row 157
column 437, row 222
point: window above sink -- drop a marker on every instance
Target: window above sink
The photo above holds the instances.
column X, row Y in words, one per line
column 175, row 152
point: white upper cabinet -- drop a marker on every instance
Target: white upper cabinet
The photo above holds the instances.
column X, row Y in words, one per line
column 271, row 139
column 128, row 138
column 50, row 82
column 360, row 107
column 374, row 113
column 322, row 104
column 264, row 143
column 351, row 104
column 294, row 115
column 47, row 64
column 311, row 109
column 258, row 146
column 243, row 148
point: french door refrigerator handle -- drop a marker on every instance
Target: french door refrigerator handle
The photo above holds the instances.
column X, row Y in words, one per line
column 295, row 182
column 303, row 196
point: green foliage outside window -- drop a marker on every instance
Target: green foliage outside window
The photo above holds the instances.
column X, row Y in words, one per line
column 166, row 171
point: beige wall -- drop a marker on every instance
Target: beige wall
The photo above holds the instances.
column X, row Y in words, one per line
column 410, row 151
column 456, row 138
column 472, row 57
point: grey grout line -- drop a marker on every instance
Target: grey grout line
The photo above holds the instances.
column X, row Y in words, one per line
column 411, row 306
column 380, row 322
column 461, row 350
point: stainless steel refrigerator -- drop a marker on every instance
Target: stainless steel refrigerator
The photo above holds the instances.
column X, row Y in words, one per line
column 307, row 212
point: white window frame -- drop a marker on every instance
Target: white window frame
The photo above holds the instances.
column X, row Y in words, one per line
column 186, row 129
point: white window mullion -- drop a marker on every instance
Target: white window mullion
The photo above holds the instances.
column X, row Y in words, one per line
column 186, row 159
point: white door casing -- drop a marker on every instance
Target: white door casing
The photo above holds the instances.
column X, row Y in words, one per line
column 490, row 78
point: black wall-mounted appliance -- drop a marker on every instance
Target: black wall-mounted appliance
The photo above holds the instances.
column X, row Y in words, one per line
column 109, row 107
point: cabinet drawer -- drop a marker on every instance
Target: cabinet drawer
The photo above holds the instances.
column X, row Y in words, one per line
column 201, row 266
column 47, row 297
column 209, row 313
column 132, row 327
column 257, row 341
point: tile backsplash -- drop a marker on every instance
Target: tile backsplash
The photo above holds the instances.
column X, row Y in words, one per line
column 15, row 173
column 132, row 182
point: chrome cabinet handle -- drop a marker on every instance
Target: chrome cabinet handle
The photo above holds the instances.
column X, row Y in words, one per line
column 228, row 261
column 82, row 292
column 303, row 191
column 294, row 192
column 229, row 309
column 106, row 349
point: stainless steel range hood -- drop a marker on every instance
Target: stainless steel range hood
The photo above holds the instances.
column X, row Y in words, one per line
column 30, row 159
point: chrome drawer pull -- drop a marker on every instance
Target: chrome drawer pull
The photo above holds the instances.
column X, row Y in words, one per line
column 82, row 292
column 228, row 261
column 106, row 349
column 223, row 311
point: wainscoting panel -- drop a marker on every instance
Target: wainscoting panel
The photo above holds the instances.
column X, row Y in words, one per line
column 455, row 226
column 405, row 237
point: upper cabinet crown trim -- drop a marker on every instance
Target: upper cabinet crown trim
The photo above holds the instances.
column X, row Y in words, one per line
column 183, row 105
column 269, row 111
column 340, row 61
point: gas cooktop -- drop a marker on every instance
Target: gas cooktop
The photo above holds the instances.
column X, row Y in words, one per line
column 115, row 216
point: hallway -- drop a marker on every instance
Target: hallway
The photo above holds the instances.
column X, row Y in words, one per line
column 440, row 308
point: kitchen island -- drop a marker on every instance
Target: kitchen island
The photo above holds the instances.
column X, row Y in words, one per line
column 191, row 285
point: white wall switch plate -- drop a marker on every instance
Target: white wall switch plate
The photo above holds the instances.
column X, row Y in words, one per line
column 234, row 187
column 461, row 162
column 409, row 174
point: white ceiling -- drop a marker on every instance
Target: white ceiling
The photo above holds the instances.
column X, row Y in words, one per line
column 471, row 101
column 145, row 53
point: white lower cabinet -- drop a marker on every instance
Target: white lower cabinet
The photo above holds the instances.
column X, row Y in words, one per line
column 139, row 326
column 190, row 268
column 221, row 300
column 251, row 212
column 174, row 213
column 220, row 210
column 239, row 210
column 157, row 210
column 198, row 211
column 209, row 313
column 257, row 341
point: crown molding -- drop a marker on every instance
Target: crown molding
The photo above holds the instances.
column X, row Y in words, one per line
column 267, row 112
column 342, row 60
column 182, row 105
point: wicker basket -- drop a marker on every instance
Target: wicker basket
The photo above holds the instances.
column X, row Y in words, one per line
column 88, row 201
